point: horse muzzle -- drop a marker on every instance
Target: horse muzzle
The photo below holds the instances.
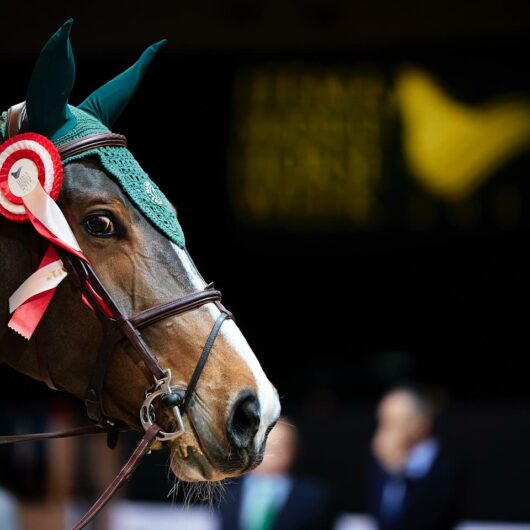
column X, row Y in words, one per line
column 204, row 454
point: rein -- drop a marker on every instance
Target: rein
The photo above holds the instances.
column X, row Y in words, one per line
column 118, row 326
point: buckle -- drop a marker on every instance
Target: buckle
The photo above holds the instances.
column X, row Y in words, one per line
column 162, row 389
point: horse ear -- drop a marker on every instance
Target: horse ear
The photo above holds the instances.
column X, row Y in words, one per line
column 108, row 101
column 50, row 86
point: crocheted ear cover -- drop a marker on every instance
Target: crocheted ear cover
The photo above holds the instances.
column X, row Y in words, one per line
column 127, row 172
column 121, row 164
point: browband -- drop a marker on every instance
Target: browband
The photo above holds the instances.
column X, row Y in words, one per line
column 16, row 116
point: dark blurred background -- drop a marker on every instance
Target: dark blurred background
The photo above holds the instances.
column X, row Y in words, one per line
column 284, row 134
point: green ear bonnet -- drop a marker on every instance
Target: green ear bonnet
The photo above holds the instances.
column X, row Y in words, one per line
column 127, row 172
column 50, row 114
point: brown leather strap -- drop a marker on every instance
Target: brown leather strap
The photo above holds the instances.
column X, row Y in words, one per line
column 115, row 327
column 15, row 117
column 175, row 307
column 17, row 114
column 68, row 433
column 88, row 282
column 192, row 385
column 92, row 141
column 123, row 476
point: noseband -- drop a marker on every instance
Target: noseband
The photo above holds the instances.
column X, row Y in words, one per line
column 116, row 327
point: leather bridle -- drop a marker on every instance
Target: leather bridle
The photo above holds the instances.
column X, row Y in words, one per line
column 117, row 326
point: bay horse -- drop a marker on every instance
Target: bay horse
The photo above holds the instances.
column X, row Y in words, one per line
column 232, row 406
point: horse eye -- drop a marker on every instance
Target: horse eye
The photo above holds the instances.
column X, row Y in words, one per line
column 100, row 225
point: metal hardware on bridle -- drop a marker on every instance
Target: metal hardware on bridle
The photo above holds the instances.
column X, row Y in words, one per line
column 162, row 391
column 173, row 399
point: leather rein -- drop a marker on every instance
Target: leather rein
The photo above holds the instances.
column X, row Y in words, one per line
column 117, row 326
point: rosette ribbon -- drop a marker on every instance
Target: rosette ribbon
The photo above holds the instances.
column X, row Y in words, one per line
column 30, row 181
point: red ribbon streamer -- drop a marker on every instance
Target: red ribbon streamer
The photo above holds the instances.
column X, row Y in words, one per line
column 28, row 315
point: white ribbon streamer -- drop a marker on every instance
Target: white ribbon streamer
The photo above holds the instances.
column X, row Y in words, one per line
column 45, row 209
column 43, row 279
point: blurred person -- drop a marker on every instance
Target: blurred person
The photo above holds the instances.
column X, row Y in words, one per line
column 271, row 497
column 415, row 483
column 9, row 518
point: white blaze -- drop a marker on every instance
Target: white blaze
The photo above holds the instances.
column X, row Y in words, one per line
column 267, row 395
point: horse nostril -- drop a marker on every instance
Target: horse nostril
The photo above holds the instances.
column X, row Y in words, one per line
column 244, row 421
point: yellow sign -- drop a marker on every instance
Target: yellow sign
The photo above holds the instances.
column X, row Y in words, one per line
column 308, row 147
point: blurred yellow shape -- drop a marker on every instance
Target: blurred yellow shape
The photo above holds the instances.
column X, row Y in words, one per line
column 308, row 147
column 452, row 148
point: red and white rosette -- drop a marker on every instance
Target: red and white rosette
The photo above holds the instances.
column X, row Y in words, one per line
column 25, row 158
column 31, row 176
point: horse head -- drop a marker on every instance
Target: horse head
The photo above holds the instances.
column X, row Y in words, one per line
column 130, row 234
